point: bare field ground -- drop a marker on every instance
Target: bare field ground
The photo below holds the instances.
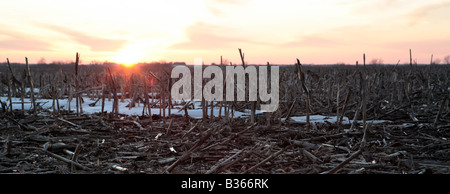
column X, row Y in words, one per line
column 414, row 102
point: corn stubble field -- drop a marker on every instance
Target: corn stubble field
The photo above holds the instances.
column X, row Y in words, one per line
column 412, row 100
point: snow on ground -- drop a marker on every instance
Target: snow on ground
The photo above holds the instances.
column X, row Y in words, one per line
column 137, row 110
column 195, row 113
column 330, row 119
column 317, row 119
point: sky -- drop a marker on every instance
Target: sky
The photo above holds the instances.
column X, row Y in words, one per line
column 316, row 32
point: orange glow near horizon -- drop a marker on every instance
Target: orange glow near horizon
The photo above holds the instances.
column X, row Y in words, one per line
column 127, row 70
column 125, row 61
column 129, row 65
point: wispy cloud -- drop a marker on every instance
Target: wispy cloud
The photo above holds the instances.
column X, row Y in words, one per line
column 228, row 1
column 21, row 42
column 219, row 7
column 419, row 14
column 96, row 44
column 427, row 46
column 14, row 40
column 312, row 41
column 204, row 36
column 24, row 45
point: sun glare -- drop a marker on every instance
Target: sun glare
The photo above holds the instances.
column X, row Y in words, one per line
column 126, row 60
column 128, row 64
column 129, row 56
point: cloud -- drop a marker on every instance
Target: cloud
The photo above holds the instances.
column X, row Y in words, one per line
column 228, row 1
column 418, row 15
column 22, row 42
column 24, row 45
column 215, row 11
column 205, row 36
column 219, row 7
column 311, row 41
column 97, row 44
column 440, row 45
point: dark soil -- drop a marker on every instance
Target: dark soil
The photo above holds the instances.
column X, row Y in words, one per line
column 138, row 145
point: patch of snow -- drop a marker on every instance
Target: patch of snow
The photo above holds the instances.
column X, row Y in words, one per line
column 137, row 110
column 330, row 119
column 317, row 119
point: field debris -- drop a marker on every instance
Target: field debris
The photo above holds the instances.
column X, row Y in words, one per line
column 404, row 129
column 218, row 147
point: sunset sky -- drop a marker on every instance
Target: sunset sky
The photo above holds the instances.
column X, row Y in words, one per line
column 316, row 32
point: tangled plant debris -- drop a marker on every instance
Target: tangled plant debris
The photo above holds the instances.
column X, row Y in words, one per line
column 337, row 137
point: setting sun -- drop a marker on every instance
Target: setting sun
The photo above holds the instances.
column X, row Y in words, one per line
column 126, row 60
column 127, row 64
column 128, row 56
